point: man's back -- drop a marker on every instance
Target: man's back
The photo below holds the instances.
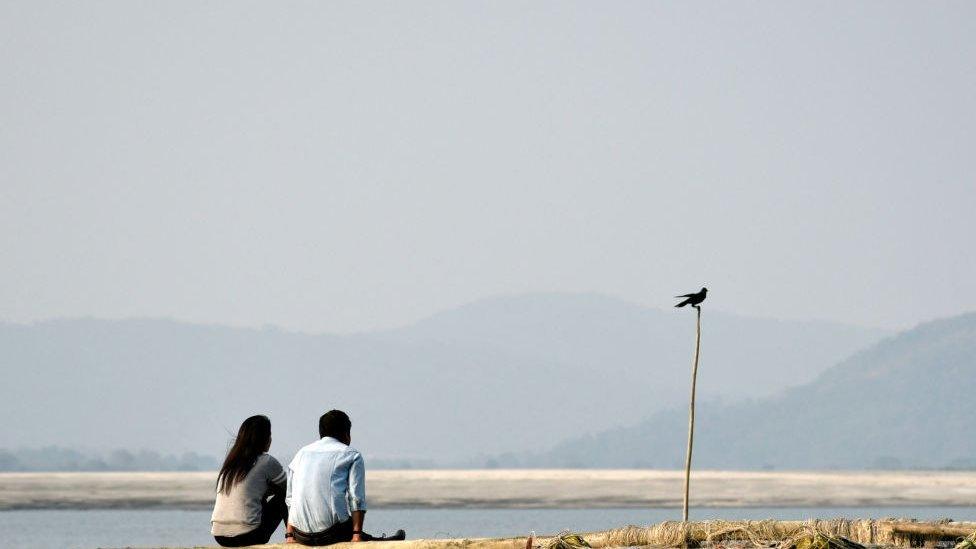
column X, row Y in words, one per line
column 326, row 483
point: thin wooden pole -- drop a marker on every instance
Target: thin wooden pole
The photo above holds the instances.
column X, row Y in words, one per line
column 691, row 415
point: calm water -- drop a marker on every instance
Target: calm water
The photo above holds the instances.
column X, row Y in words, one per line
column 67, row 529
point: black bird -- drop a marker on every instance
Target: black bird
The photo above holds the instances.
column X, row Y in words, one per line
column 693, row 299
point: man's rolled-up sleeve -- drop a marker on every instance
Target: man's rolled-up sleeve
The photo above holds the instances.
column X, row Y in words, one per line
column 357, row 484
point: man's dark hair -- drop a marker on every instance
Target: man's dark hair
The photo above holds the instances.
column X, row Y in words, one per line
column 335, row 424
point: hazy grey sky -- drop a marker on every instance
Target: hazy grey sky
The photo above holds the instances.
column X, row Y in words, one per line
column 327, row 166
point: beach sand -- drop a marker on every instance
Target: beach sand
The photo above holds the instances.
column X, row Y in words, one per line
column 519, row 489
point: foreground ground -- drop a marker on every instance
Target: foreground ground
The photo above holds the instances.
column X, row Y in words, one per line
column 836, row 533
column 519, row 489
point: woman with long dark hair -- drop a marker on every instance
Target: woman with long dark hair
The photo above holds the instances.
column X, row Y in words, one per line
column 250, row 489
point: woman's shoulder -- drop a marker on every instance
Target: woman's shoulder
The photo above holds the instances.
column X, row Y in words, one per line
column 267, row 462
column 272, row 468
column 269, row 466
column 267, row 459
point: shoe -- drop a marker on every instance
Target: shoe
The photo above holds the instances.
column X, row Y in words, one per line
column 399, row 535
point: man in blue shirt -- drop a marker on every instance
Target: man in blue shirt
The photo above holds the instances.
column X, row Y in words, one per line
column 326, row 493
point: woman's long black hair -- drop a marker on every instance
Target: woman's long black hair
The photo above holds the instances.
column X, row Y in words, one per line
column 252, row 440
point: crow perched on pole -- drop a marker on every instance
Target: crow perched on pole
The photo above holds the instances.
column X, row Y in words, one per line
column 693, row 299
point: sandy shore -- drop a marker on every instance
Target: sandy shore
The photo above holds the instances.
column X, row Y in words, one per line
column 519, row 489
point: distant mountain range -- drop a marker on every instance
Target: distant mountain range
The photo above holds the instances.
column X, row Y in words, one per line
column 512, row 374
column 903, row 403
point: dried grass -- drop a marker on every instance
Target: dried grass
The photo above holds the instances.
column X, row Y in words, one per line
column 819, row 534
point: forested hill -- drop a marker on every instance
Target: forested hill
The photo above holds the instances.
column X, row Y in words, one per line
column 903, row 403
column 498, row 375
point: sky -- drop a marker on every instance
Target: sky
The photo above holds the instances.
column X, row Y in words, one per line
column 345, row 167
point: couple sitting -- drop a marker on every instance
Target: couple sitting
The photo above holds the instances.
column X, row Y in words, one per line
column 322, row 499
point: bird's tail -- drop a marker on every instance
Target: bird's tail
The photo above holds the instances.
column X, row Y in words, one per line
column 682, row 304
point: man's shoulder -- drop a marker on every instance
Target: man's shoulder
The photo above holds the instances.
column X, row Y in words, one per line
column 310, row 446
column 327, row 446
column 302, row 451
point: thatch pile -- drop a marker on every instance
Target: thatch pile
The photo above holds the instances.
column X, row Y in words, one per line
column 783, row 534
column 968, row 542
column 565, row 540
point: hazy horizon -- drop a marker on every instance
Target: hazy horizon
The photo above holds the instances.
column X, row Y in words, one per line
column 460, row 306
column 333, row 168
